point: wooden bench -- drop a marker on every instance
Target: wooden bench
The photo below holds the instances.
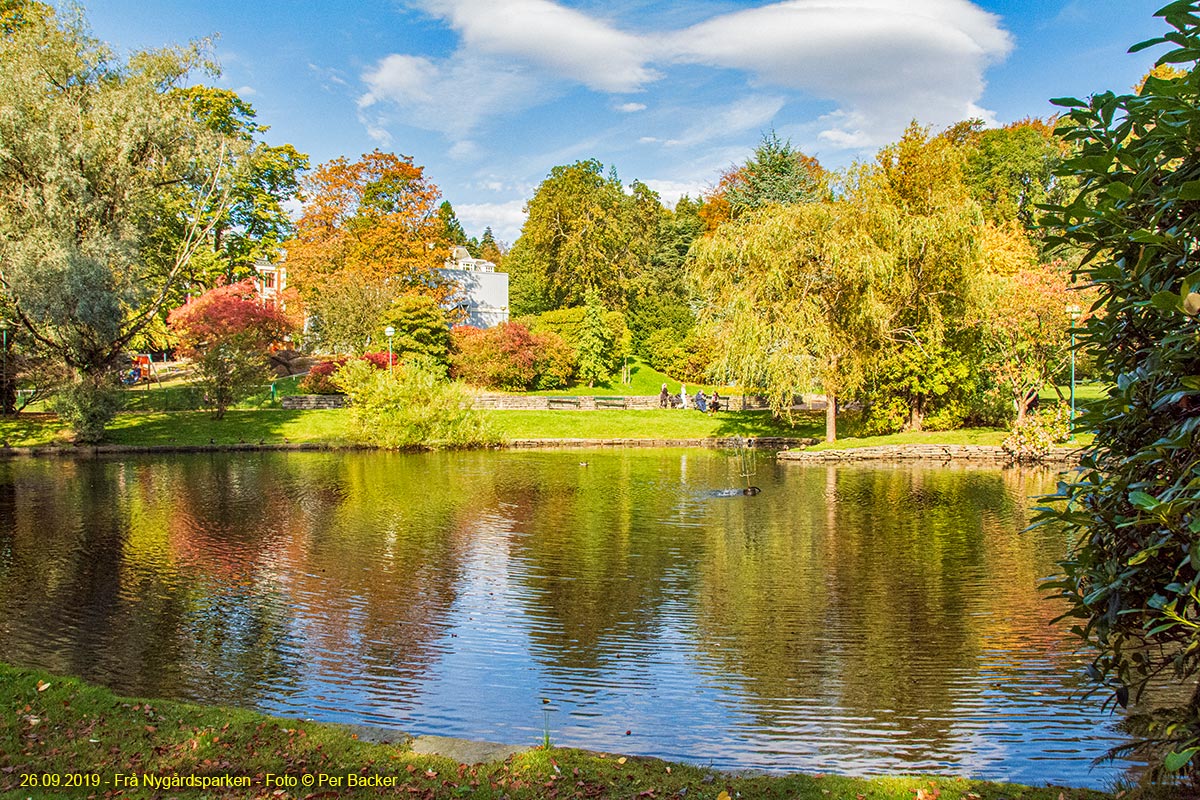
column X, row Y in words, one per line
column 562, row 402
column 612, row 402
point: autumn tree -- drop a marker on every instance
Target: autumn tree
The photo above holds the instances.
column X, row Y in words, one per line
column 1025, row 335
column 1009, row 171
column 97, row 154
column 376, row 218
column 225, row 333
column 931, row 229
column 256, row 221
column 344, row 315
column 794, row 300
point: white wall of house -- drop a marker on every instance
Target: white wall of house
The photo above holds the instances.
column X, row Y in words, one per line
column 482, row 292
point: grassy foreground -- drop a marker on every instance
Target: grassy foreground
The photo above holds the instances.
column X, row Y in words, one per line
column 62, row 738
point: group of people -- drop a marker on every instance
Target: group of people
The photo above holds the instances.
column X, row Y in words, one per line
column 681, row 400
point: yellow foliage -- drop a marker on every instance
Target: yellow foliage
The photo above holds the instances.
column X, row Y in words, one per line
column 1006, row 248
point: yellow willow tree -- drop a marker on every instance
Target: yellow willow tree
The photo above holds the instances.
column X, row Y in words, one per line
column 794, row 297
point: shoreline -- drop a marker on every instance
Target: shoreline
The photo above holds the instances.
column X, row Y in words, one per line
column 990, row 455
column 64, row 727
column 91, row 451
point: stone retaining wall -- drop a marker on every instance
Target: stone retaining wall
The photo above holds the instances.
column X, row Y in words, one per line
column 519, row 402
column 759, row 443
column 943, row 453
column 308, row 402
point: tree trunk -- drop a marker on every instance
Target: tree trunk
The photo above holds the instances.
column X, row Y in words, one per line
column 916, row 415
column 830, row 416
column 1022, row 403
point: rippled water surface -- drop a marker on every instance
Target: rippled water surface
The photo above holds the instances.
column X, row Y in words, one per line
column 847, row 619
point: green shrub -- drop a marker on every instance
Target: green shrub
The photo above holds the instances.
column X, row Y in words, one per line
column 87, row 404
column 1031, row 438
column 1132, row 580
column 569, row 324
column 410, row 407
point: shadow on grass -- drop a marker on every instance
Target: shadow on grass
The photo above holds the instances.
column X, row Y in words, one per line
column 761, row 423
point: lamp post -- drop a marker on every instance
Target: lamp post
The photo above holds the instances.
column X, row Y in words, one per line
column 389, row 332
column 1073, row 312
column 4, row 391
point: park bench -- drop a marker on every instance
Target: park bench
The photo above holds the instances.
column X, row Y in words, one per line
column 611, row 402
column 562, row 402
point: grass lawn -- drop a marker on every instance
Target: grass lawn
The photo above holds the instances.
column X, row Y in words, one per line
column 647, row 424
column 272, row 426
column 986, row 436
column 57, row 730
column 275, row 426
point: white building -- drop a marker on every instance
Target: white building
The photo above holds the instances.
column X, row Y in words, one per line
column 482, row 292
column 271, row 280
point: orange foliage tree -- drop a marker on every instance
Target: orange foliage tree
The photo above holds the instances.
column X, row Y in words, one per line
column 1026, row 330
column 375, row 218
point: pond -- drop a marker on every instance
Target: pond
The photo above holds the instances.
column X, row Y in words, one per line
column 852, row 619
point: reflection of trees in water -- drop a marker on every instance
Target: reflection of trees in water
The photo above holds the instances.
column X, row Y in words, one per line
column 599, row 562
column 62, row 529
column 210, row 576
column 861, row 587
column 375, row 555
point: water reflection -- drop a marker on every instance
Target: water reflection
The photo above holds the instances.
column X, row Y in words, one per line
column 853, row 619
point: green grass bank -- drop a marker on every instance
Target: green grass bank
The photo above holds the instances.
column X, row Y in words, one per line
column 275, row 426
column 329, row 427
column 62, row 738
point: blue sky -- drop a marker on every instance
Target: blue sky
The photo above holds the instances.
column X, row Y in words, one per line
column 488, row 95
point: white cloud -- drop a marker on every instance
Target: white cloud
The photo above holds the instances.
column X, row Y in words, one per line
column 328, row 77
column 246, row 91
column 881, row 62
column 505, row 219
column 566, row 42
column 671, row 191
column 452, row 95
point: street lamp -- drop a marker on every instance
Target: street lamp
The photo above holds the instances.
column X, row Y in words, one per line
column 1073, row 311
column 389, row 332
column 4, row 391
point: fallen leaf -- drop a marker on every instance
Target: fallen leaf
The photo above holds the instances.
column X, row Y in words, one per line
column 42, row 686
column 622, row 760
column 724, row 795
